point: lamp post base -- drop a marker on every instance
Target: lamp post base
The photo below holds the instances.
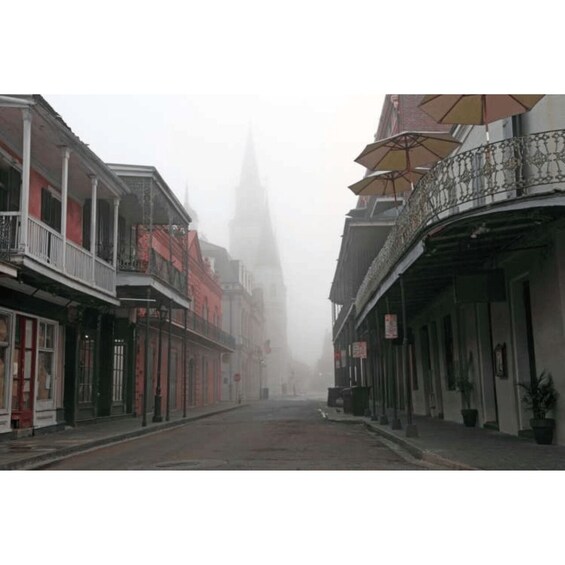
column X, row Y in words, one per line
column 157, row 413
column 396, row 424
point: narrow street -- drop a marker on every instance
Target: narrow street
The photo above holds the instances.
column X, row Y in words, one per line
column 286, row 434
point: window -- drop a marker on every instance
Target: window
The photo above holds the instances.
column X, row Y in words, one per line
column 118, row 371
column 104, row 228
column 4, row 348
column 448, row 352
column 10, row 182
column 46, row 361
column 50, row 209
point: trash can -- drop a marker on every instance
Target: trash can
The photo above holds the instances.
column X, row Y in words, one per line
column 359, row 400
column 334, row 393
column 347, row 396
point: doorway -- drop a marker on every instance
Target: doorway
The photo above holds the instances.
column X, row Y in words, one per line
column 524, row 350
column 23, row 386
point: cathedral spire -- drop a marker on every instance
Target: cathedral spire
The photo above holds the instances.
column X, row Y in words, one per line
column 249, row 170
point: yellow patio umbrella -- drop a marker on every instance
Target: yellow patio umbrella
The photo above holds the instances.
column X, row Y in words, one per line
column 476, row 109
column 407, row 150
column 385, row 183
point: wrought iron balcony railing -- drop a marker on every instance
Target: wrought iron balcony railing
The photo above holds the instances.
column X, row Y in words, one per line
column 128, row 260
column 198, row 325
column 8, row 235
column 45, row 245
column 489, row 175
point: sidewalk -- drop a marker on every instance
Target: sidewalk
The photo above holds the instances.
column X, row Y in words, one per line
column 35, row 451
column 454, row 446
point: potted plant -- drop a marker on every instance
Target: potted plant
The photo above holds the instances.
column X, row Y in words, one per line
column 465, row 387
column 540, row 397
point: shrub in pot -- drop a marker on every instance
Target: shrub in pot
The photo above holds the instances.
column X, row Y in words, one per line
column 540, row 396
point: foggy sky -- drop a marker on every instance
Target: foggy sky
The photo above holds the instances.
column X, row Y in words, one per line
column 305, row 146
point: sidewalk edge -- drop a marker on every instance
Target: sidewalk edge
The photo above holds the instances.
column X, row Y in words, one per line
column 414, row 450
column 35, row 463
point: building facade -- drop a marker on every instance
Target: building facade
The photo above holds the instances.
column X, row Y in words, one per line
column 107, row 307
column 59, row 210
column 477, row 252
column 243, row 318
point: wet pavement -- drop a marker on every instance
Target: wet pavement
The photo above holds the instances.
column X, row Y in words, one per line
column 455, row 446
column 440, row 444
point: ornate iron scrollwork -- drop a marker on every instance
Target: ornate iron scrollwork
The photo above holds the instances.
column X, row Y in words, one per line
column 497, row 172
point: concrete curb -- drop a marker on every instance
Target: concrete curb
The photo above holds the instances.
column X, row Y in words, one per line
column 39, row 461
column 416, row 451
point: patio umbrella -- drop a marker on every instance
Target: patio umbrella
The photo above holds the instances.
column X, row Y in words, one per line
column 476, row 109
column 384, row 183
column 407, row 150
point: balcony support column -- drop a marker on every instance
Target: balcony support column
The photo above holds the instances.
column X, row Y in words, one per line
column 411, row 429
column 115, row 249
column 93, row 201
column 169, row 350
column 26, row 175
column 65, row 153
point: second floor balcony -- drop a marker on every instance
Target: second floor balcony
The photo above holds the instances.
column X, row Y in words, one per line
column 48, row 247
column 517, row 173
column 129, row 260
column 198, row 329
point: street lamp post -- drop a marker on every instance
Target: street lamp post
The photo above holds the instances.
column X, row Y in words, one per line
column 157, row 417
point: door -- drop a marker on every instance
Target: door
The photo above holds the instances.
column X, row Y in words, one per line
column 524, row 351
column 436, row 370
column 23, row 386
column 427, row 370
column 191, row 383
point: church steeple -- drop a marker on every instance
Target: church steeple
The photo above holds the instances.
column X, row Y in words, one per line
column 249, row 171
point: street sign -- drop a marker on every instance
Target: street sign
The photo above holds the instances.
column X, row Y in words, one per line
column 237, row 377
column 360, row 349
column 391, row 326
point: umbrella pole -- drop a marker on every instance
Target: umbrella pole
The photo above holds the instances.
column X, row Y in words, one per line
column 484, row 103
column 411, row 429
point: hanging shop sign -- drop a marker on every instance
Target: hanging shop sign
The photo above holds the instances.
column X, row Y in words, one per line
column 391, row 326
column 360, row 349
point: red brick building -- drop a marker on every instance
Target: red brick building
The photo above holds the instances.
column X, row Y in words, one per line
column 206, row 318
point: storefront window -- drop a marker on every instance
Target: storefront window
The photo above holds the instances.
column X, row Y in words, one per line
column 46, row 358
column 4, row 339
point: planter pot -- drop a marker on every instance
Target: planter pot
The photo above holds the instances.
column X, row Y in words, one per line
column 470, row 417
column 543, row 430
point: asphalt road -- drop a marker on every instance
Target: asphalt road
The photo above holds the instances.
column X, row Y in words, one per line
column 286, row 434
